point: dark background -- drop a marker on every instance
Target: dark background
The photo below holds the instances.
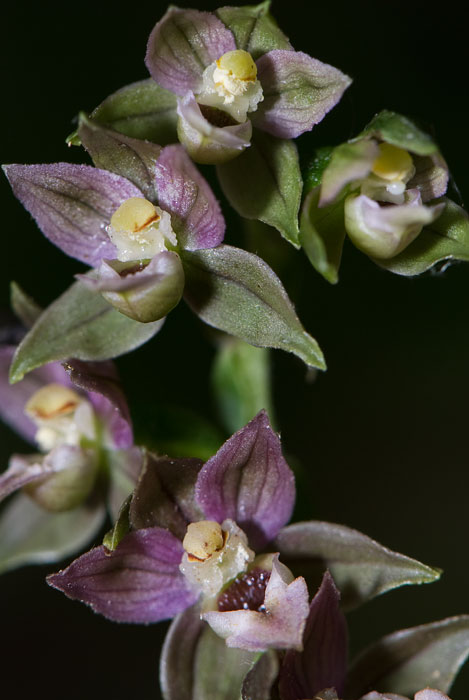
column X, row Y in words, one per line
column 382, row 436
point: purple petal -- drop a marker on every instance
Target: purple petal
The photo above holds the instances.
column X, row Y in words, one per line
column 298, row 92
column 182, row 45
column 430, row 694
column 323, row 662
column 186, row 195
column 14, row 397
column 205, row 142
column 388, row 696
column 100, row 381
column 21, row 471
column 279, row 627
column 72, row 205
column 385, row 231
column 249, row 481
column 138, row 582
column 164, row 495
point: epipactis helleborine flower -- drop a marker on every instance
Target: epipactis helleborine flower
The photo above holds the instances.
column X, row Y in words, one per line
column 195, row 529
column 223, row 90
column 81, row 426
column 388, row 186
column 131, row 237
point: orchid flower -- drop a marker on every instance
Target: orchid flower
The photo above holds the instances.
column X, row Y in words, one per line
column 227, row 82
column 378, row 188
column 77, row 418
column 195, row 531
column 131, row 234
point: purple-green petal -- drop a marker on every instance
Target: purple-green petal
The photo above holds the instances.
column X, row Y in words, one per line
column 280, row 626
column 431, row 176
column 182, row 191
column 182, row 44
column 385, row 231
column 205, row 142
column 323, row 661
column 249, row 481
column 138, row 582
column 72, row 205
column 21, row 471
column 298, row 92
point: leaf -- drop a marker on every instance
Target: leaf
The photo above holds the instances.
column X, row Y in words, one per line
column 143, row 110
column 79, row 324
column 322, row 234
column 411, row 659
column 131, row 158
column 241, row 381
column 31, row 535
column 361, row 567
column 400, row 131
column 265, row 183
column 24, row 306
column 196, row 664
column 447, row 238
column 254, row 28
column 236, row 292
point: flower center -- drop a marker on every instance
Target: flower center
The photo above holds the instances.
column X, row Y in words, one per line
column 247, row 592
column 61, row 415
column 395, row 165
column 203, row 539
column 215, row 554
column 140, row 230
column 231, row 84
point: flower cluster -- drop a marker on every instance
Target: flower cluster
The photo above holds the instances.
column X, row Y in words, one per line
column 207, row 543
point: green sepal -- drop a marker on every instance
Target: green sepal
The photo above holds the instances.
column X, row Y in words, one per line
column 262, row 676
column 143, row 110
column 131, row 158
column 121, row 527
column 411, row 659
column 236, row 292
column 80, row 324
column 254, row 28
column 446, row 239
column 322, row 234
column 400, row 131
column 24, row 306
column 361, row 567
column 31, row 535
column 265, row 183
column 196, row 664
column 241, row 383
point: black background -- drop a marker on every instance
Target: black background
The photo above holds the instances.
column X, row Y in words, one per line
column 382, row 436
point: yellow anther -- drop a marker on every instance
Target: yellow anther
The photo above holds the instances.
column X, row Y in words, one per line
column 203, row 539
column 239, row 64
column 51, row 401
column 393, row 163
column 134, row 215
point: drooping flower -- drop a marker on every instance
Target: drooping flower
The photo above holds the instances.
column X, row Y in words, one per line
column 130, row 233
column 195, row 529
column 229, row 79
column 378, row 188
column 78, row 420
